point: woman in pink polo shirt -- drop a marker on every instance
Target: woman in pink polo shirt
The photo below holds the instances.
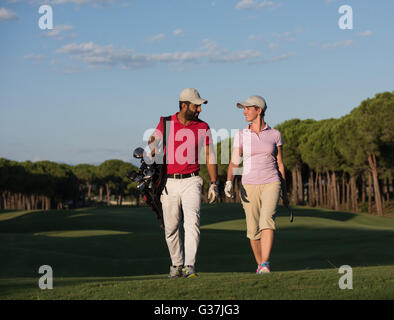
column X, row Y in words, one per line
column 261, row 148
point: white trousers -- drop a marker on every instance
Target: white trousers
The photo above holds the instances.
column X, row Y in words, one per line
column 182, row 196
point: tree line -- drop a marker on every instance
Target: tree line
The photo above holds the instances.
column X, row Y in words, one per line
column 48, row 185
column 341, row 164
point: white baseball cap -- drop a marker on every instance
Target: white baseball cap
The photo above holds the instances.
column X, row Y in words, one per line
column 192, row 96
column 253, row 101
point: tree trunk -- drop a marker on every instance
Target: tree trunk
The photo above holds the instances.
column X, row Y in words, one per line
column 300, row 187
column 369, row 192
column 28, row 203
column 294, row 186
column 329, row 191
column 374, row 171
column 363, row 191
column 348, row 195
column 387, row 189
column 342, row 201
column 108, row 194
column 311, row 192
column 101, row 191
column 4, row 198
column 335, row 194
column 320, row 190
column 324, row 190
column 89, row 192
column 353, row 193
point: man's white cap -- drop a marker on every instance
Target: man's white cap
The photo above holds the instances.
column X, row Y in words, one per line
column 192, row 96
column 253, row 101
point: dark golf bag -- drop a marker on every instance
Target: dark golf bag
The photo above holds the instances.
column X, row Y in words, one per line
column 152, row 178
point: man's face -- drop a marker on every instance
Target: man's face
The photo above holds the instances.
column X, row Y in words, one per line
column 192, row 111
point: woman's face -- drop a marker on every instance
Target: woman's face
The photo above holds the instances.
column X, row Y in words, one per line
column 251, row 113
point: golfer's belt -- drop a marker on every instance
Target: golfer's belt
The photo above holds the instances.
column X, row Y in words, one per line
column 182, row 176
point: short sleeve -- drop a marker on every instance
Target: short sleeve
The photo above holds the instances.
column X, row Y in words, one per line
column 238, row 141
column 279, row 141
column 208, row 136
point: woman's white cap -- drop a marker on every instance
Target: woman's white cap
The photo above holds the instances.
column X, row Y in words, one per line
column 253, row 101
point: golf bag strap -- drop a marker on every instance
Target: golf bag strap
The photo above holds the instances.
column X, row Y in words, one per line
column 166, row 133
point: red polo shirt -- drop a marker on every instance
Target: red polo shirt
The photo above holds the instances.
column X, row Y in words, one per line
column 184, row 144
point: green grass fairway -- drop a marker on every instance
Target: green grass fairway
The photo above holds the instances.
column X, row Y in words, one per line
column 120, row 253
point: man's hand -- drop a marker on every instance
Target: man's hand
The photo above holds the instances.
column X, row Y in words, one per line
column 213, row 193
column 228, row 189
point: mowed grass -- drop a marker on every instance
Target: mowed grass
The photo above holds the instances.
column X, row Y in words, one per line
column 120, row 253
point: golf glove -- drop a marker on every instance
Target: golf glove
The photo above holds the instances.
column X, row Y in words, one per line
column 228, row 189
column 213, row 193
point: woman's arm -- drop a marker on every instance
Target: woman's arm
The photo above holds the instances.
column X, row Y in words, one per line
column 281, row 166
column 234, row 163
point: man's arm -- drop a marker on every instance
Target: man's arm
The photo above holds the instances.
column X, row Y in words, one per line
column 153, row 144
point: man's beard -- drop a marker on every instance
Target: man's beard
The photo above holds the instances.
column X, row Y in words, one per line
column 191, row 116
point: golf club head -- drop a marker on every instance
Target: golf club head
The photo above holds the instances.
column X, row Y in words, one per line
column 138, row 153
column 148, row 174
column 131, row 175
column 141, row 186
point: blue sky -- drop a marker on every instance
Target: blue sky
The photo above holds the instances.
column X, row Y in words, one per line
column 87, row 90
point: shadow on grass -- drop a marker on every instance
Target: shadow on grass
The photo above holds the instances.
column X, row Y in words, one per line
column 318, row 213
column 144, row 252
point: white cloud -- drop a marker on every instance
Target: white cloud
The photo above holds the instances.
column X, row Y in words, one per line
column 300, row 30
column 274, row 59
column 56, row 2
column 34, row 56
column 366, row 33
column 57, row 30
column 178, row 32
column 156, row 38
column 287, row 36
column 281, row 57
column 98, row 56
column 108, row 56
column 236, row 56
column 256, row 37
column 80, row 2
column 255, row 4
column 68, row 70
column 345, row 43
column 7, row 15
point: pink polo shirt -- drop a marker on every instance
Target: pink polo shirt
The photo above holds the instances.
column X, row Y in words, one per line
column 184, row 144
column 259, row 154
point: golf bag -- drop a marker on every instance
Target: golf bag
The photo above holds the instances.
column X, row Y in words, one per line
column 152, row 178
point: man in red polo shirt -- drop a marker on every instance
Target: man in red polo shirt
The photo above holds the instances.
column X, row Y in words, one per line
column 181, row 197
